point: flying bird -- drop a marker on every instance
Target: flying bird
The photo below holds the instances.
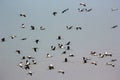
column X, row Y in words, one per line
column 42, row 28
column 66, row 60
column 51, row 66
column 37, row 41
column 114, row 26
column 32, row 27
column 24, row 39
column 18, row 51
column 3, row 39
column 61, row 71
column 83, row 4
column 54, row 13
column 65, row 10
column 35, row 49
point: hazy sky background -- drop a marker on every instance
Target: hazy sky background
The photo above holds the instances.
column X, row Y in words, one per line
column 96, row 35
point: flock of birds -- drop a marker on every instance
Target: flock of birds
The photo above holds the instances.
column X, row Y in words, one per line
column 28, row 61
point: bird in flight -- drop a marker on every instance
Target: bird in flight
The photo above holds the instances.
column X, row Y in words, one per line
column 65, row 10
column 54, row 13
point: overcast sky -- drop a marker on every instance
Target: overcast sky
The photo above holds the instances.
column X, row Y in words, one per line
column 96, row 35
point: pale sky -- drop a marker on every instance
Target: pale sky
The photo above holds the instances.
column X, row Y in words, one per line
column 96, row 35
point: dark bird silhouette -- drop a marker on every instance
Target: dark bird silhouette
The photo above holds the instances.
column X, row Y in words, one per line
column 30, row 73
column 42, row 28
column 51, row 67
column 24, row 39
column 22, row 15
column 68, row 47
column 59, row 38
column 68, row 43
column 23, row 57
column 78, row 28
column 18, row 51
column 64, row 52
column 32, row 27
column 3, row 39
column 81, row 10
column 68, row 28
column 61, row 71
column 65, row 10
column 35, row 49
column 12, row 37
column 23, row 26
column 114, row 9
column 88, row 10
column 71, row 55
column 83, row 4
column 53, row 48
column 66, row 60
column 115, row 26
column 37, row 41
column 54, row 13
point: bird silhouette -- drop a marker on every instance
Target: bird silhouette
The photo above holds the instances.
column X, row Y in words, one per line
column 65, row 10
column 3, row 39
column 54, row 13
column 18, row 51
column 115, row 26
column 32, row 27
column 37, row 41
column 35, row 49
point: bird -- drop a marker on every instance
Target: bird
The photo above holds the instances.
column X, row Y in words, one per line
column 83, row 4
column 108, row 54
column 24, row 39
column 37, row 40
column 66, row 60
column 49, row 56
column 81, row 10
column 61, row 71
column 88, row 10
column 23, row 57
column 23, row 26
column 93, row 53
column 32, row 27
column 85, row 59
column 64, row 52
column 101, row 55
column 54, row 13
column 12, row 37
column 68, row 47
column 53, row 48
column 68, row 43
column 51, row 66
column 30, row 57
column 21, row 14
column 114, row 26
column 3, row 40
column 94, row 62
column 110, row 64
column 78, row 28
column 65, row 10
column 34, row 62
column 68, row 28
column 60, row 46
column 30, row 73
column 42, row 28
column 71, row 55
column 18, row 51
column 21, row 65
column 59, row 38
column 114, row 9
column 35, row 49
column 113, row 60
